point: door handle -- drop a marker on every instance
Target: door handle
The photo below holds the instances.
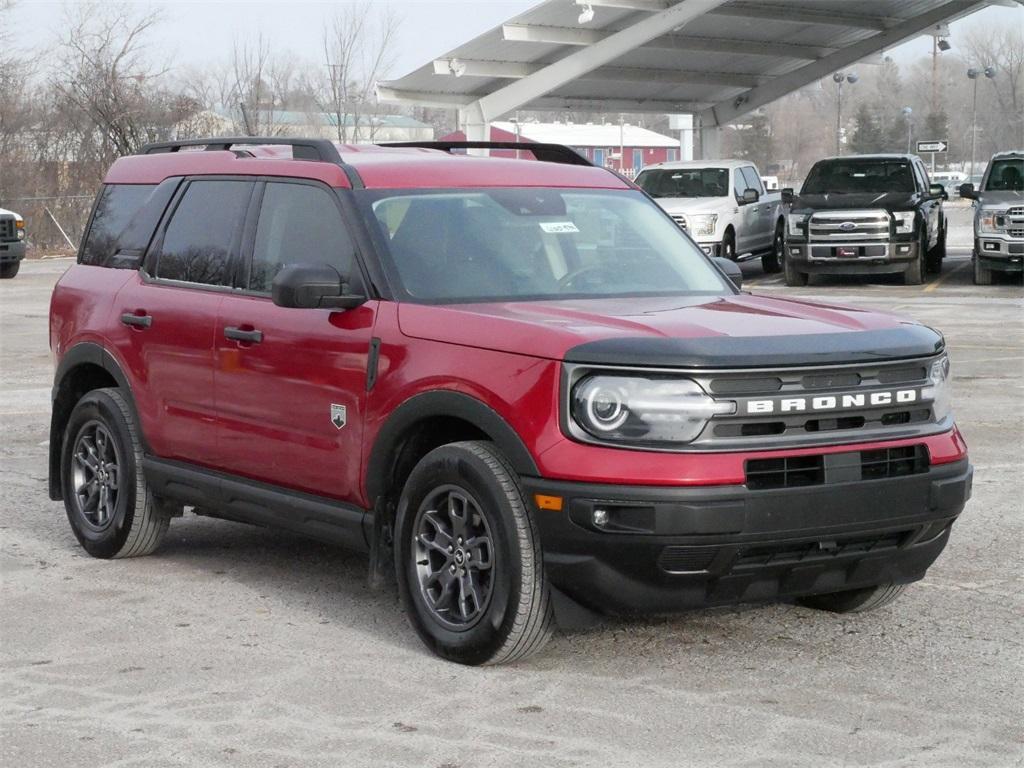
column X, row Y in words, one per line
column 238, row 334
column 137, row 321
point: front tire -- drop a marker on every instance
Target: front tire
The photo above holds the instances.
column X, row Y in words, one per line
column 468, row 558
column 9, row 270
column 855, row 600
column 914, row 274
column 109, row 504
column 982, row 274
column 729, row 245
column 794, row 277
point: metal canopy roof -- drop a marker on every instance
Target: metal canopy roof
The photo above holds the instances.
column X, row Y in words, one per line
column 717, row 58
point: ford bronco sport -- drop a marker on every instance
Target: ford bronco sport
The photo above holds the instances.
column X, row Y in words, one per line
column 517, row 384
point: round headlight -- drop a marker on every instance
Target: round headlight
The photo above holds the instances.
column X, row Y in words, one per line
column 606, row 408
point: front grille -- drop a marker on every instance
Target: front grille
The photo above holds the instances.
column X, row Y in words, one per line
column 686, row 559
column 7, row 229
column 850, row 226
column 679, row 219
column 822, row 469
column 858, row 422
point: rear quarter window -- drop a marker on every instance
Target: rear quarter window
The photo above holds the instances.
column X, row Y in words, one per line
column 123, row 222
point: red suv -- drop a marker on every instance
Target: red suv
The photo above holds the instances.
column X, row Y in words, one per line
column 519, row 382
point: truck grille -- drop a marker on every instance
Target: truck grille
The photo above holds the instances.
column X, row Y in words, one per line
column 802, row 471
column 7, row 229
column 765, row 431
column 679, row 219
column 850, row 226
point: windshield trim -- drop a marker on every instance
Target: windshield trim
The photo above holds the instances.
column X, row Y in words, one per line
column 365, row 198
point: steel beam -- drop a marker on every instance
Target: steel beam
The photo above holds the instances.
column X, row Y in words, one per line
column 652, row 6
column 576, row 64
column 740, row 47
column 423, row 98
column 729, row 110
column 537, row 33
column 476, row 68
column 806, row 16
column 631, row 106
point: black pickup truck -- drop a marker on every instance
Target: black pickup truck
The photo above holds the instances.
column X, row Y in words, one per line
column 865, row 214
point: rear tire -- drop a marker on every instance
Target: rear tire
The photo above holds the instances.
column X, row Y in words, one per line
column 794, row 277
column 982, row 274
column 855, row 600
column 468, row 558
column 109, row 504
column 772, row 262
column 9, row 270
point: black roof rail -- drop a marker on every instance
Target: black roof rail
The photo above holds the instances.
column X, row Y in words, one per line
column 317, row 150
column 548, row 153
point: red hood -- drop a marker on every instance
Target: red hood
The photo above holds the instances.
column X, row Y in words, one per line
column 551, row 328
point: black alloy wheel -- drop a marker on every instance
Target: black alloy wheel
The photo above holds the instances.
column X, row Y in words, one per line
column 454, row 557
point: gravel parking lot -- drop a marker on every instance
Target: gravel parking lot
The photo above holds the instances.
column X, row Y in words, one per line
column 237, row 646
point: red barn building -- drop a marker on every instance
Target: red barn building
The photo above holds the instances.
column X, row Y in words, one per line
column 605, row 145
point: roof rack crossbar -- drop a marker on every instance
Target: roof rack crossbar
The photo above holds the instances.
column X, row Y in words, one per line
column 548, row 153
column 317, row 150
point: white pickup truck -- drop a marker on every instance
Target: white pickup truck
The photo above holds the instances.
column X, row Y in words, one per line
column 723, row 206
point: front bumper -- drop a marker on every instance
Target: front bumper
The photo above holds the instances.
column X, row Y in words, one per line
column 873, row 257
column 12, row 251
column 711, row 248
column 669, row 549
column 1000, row 253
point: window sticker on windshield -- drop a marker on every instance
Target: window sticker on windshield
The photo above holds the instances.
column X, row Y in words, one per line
column 559, row 227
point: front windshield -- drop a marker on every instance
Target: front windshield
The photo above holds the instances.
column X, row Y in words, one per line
column 1006, row 175
column 685, row 182
column 531, row 243
column 836, row 177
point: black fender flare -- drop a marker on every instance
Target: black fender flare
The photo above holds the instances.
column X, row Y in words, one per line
column 443, row 403
column 83, row 353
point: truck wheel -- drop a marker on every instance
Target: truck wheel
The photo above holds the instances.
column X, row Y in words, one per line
column 729, row 245
column 772, row 262
column 109, row 504
column 982, row 274
column 914, row 274
column 855, row 600
column 468, row 558
column 9, row 270
column 794, row 277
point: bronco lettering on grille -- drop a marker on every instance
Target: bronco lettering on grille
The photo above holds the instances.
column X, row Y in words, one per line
column 838, row 402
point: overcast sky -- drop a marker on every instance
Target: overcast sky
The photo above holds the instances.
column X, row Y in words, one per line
column 196, row 32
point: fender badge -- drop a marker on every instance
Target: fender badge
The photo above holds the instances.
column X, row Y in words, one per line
column 338, row 415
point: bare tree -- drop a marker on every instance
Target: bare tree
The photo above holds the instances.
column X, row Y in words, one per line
column 358, row 50
column 104, row 71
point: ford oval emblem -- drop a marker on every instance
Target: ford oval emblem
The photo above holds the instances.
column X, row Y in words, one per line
column 847, row 225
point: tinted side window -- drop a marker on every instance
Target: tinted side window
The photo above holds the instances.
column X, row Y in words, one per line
column 203, row 233
column 299, row 223
column 115, row 208
column 753, row 180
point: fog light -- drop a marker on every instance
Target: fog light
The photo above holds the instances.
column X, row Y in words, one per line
column 706, row 249
column 794, row 251
column 902, row 249
column 990, row 246
column 600, row 517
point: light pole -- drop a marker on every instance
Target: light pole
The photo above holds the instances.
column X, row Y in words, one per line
column 839, row 77
column 907, row 112
column 972, row 74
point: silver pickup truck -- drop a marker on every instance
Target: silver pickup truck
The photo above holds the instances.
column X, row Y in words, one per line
column 723, row 206
column 12, row 243
column 998, row 217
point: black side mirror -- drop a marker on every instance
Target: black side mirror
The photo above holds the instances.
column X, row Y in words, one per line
column 967, row 191
column 750, row 196
column 787, row 195
column 732, row 270
column 309, row 286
